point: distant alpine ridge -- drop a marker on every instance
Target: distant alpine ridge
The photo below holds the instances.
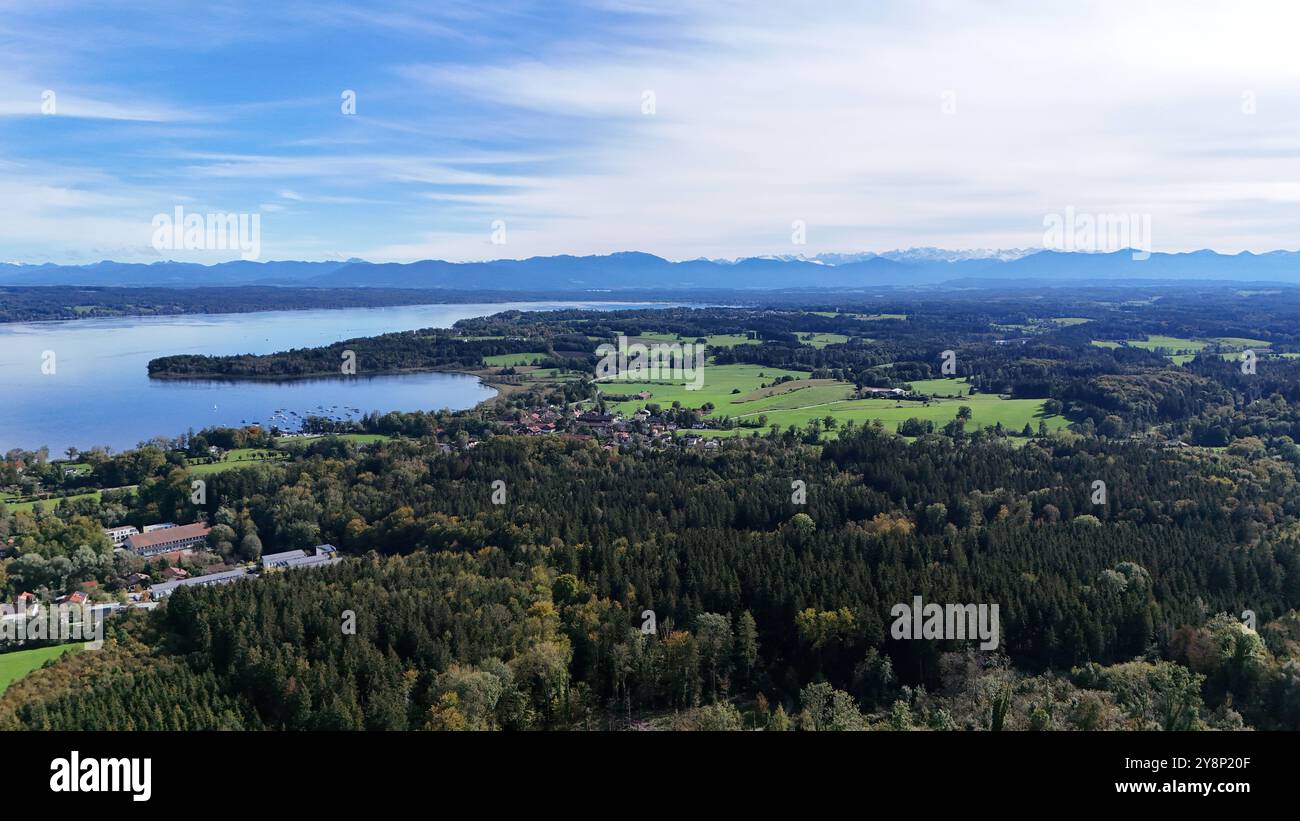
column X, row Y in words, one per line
column 635, row 270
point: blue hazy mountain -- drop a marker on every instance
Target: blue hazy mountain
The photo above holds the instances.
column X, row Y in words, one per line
column 646, row 271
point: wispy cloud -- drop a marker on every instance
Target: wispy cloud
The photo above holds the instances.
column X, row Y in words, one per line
column 685, row 129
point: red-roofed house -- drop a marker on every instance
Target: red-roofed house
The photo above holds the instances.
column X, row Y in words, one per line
column 184, row 537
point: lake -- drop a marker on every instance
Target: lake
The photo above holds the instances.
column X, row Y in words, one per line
column 100, row 394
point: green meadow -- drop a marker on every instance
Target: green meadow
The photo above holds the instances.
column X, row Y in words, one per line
column 360, row 438
column 719, row 383
column 1180, row 351
column 510, row 360
column 1172, row 344
column 238, row 458
column 48, row 503
column 736, row 391
column 18, row 663
column 822, row 340
column 942, row 387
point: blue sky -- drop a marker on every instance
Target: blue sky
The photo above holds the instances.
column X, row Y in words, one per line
column 876, row 125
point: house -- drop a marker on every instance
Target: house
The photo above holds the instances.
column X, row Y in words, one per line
column 884, row 391
column 27, row 604
column 119, row 534
column 164, row 540
column 175, row 573
column 296, row 559
column 129, row 582
column 162, row 591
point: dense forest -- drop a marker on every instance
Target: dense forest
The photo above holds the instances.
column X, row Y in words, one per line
column 530, row 613
column 496, row 580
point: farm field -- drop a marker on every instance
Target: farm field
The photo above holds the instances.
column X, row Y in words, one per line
column 239, row 458
column 985, row 411
column 18, row 663
column 942, row 387
column 816, row 399
column 1173, row 344
column 1185, row 350
column 726, row 341
column 510, row 360
column 719, row 382
column 532, row 374
column 710, row 341
column 821, row 340
column 1182, row 350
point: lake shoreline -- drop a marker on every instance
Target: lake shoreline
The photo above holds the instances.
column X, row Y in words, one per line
column 86, row 383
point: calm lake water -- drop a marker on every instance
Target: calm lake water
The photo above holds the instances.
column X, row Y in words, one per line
column 100, row 392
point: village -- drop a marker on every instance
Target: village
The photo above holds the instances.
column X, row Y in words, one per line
column 171, row 547
column 614, row 430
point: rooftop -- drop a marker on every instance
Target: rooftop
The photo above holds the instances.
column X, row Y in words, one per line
column 169, row 534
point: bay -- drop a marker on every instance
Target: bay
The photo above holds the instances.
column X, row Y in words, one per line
column 99, row 392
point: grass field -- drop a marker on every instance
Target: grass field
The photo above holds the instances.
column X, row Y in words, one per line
column 1173, row 344
column 727, row 341
column 16, row 664
column 49, row 503
column 509, row 360
column 808, row 396
column 238, row 458
column 548, row 374
column 719, row 382
column 942, row 387
column 822, row 340
column 1181, row 351
column 806, row 399
column 784, row 387
column 985, row 411
column 710, row 341
column 1180, row 347
column 362, row 438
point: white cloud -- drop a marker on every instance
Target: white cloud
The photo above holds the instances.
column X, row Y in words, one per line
column 839, row 122
column 765, row 113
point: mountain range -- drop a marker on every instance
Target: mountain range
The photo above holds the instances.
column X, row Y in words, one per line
column 631, row 269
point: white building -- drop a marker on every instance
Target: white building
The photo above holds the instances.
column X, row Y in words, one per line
column 120, row 534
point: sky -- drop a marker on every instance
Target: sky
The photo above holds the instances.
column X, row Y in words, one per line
column 484, row 130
